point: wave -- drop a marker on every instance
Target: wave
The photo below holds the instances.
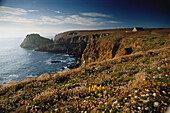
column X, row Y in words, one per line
column 13, row 76
column 31, row 76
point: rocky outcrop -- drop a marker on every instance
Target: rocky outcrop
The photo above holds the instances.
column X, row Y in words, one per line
column 76, row 41
column 35, row 42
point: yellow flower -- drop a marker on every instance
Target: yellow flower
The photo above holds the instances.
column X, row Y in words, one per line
column 90, row 89
column 91, row 94
column 105, row 92
column 103, row 88
column 99, row 94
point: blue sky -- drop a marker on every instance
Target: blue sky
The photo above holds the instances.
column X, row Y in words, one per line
column 49, row 17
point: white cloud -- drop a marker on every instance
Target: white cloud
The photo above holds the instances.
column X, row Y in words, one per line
column 76, row 19
column 16, row 19
column 57, row 12
column 13, row 11
column 59, row 17
column 49, row 20
column 93, row 14
column 46, row 20
column 33, row 10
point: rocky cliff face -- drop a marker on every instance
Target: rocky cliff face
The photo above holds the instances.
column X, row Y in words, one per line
column 121, row 43
column 76, row 41
column 91, row 46
column 35, row 42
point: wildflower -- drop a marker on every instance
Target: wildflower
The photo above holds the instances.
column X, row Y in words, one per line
column 147, row 95
column 136, row 97
column 136, row 91
column 147, row 108
column 106, row 103
column 143, row 95
column 146, row 89
column 139, row 108
column 129, row 95
column 115, row 102
column 145, row 101
column 125, row 98
column 133, row 102
column 100, row 88
column 90, row 89
column 99, row 94
column 156, row 104
column 164, row 92
column 105, row 92
column 111, row 111
column 154, row 94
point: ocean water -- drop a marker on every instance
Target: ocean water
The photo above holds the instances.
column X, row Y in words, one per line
column 17, row 63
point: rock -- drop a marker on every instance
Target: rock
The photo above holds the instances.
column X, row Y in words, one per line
column 35, row 42
column 43, row 77
column 55, row 61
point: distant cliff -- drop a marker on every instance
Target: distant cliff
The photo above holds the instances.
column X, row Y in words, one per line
column 35, row 42
column 98, row 45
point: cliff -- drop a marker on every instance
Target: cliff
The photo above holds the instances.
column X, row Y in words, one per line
column 35, row 41
column 120, row 72
column 98, row 45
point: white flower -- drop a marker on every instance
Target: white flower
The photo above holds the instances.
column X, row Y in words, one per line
column 136, row 91
column 159, row 68
column 146, row 89
column 136, row 96
column 147, row 108
column 115, row 102
column 106, row 103
column 139, row 108
column 147, row 95
column 143, row 95
column 145, row 101
column 164, row 92
column 156, row 104
column 154, row 94
column 125, row 98
column 129, row 95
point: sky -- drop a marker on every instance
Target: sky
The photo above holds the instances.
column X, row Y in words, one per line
column 50, row 17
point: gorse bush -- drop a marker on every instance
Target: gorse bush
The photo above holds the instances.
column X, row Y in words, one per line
column 98, row 91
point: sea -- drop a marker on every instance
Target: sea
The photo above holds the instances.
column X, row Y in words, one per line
column 17, row 63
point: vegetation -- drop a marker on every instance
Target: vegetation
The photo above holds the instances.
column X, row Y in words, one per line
column 136, row 82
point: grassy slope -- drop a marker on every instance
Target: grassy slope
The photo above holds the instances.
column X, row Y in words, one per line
column 135, row 82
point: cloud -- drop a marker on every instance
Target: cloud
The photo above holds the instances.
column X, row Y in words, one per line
column 16, row 19
column 33, row 10
column 93, row 14
column 76, row 19
column 15, row 11
column 49, row 20
column 57, row 12
column 56, row 20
